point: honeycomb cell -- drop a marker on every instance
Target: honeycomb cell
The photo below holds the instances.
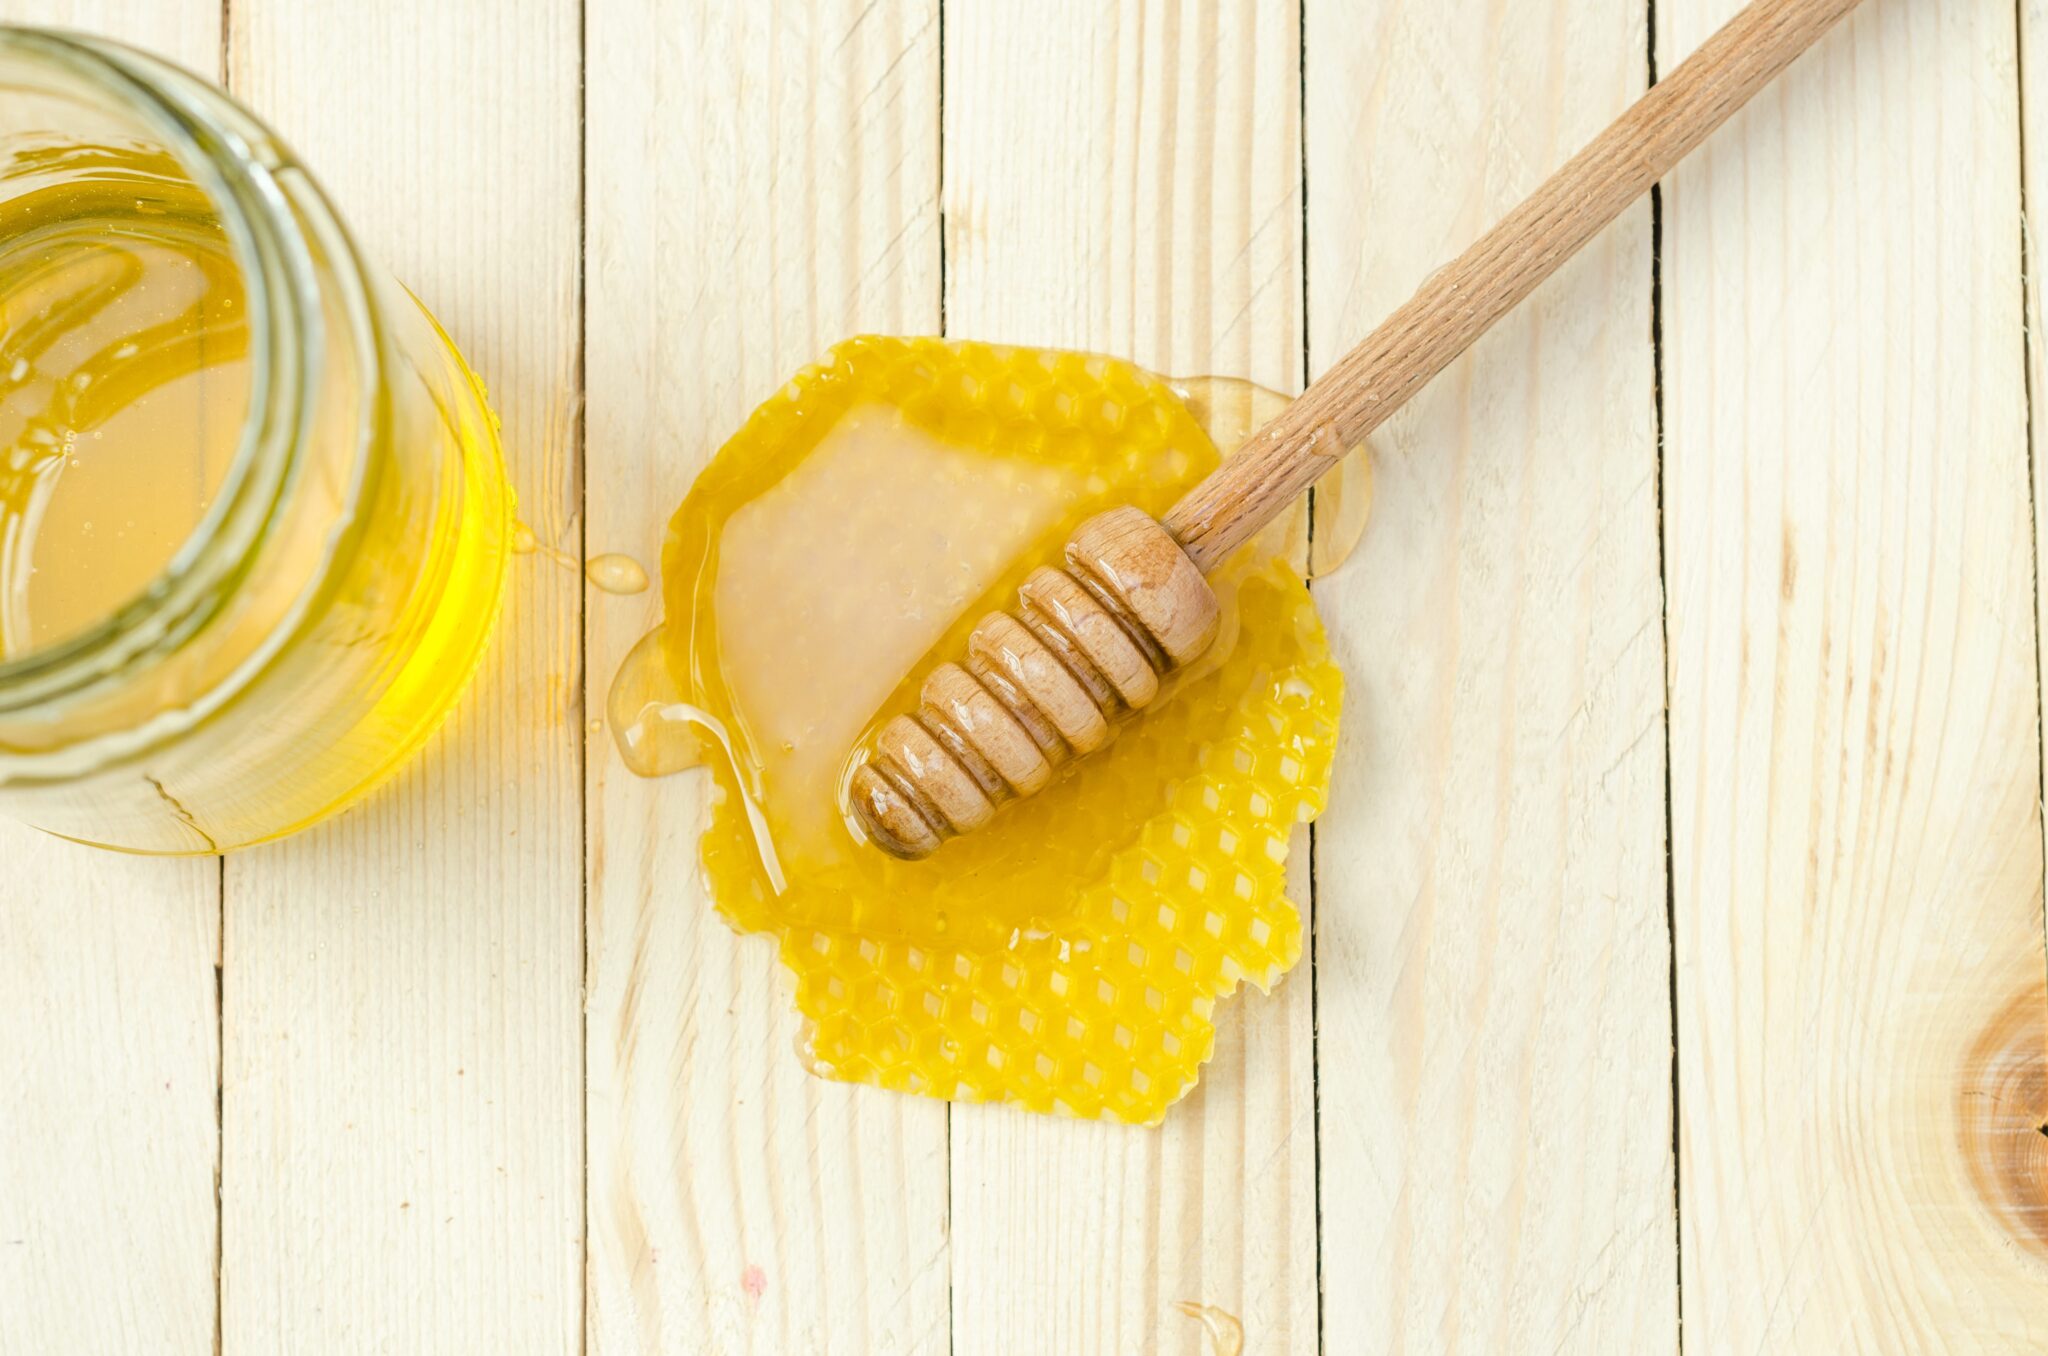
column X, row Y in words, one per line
column 1067, row 957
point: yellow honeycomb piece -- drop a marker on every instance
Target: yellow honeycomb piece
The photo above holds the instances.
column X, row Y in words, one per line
column 1067, row 957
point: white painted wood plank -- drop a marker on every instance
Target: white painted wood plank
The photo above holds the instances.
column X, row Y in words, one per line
column 109, row 1130
column 1492, row 955
column 402, row 1023
column 1127, row 179
column 1855, row 755
column 762, row 182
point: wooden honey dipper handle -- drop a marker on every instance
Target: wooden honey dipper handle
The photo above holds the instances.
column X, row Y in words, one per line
column 1459, row 302
column 1086, row 644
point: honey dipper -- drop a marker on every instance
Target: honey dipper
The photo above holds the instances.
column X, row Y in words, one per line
column 1086, row 644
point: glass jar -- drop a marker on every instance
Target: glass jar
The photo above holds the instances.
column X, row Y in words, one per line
column 253, row 514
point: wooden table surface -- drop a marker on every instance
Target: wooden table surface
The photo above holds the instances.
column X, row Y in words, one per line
column 1678, row 934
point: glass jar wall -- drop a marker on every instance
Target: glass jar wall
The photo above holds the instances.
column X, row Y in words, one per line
column 253, row 515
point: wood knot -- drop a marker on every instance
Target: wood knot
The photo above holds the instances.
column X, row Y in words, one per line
column 2002, row 1118
column 1042, row 684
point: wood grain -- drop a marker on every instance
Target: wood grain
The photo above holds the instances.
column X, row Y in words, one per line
column 1855, row 753
column 402, row 1020
column 1491, row 952
column 109, row 1028
column 1127, row 178
column 762, row 182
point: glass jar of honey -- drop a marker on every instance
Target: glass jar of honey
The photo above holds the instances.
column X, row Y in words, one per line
column 253, row 514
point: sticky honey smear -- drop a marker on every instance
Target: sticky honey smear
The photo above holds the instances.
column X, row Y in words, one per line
column 1067, row 957
column 1231, row 409
column 1226, row 1333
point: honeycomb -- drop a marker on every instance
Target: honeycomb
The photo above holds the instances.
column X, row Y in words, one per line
column 1068, row 957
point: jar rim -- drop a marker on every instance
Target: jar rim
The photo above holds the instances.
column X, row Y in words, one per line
column 234, row 162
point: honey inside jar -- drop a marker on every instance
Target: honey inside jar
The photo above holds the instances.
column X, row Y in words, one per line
column 124, row 381
column 1067, row 956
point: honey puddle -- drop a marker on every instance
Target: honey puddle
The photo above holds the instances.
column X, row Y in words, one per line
column 1068, row 956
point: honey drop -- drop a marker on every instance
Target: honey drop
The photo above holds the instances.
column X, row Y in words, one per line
column 616, row 574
